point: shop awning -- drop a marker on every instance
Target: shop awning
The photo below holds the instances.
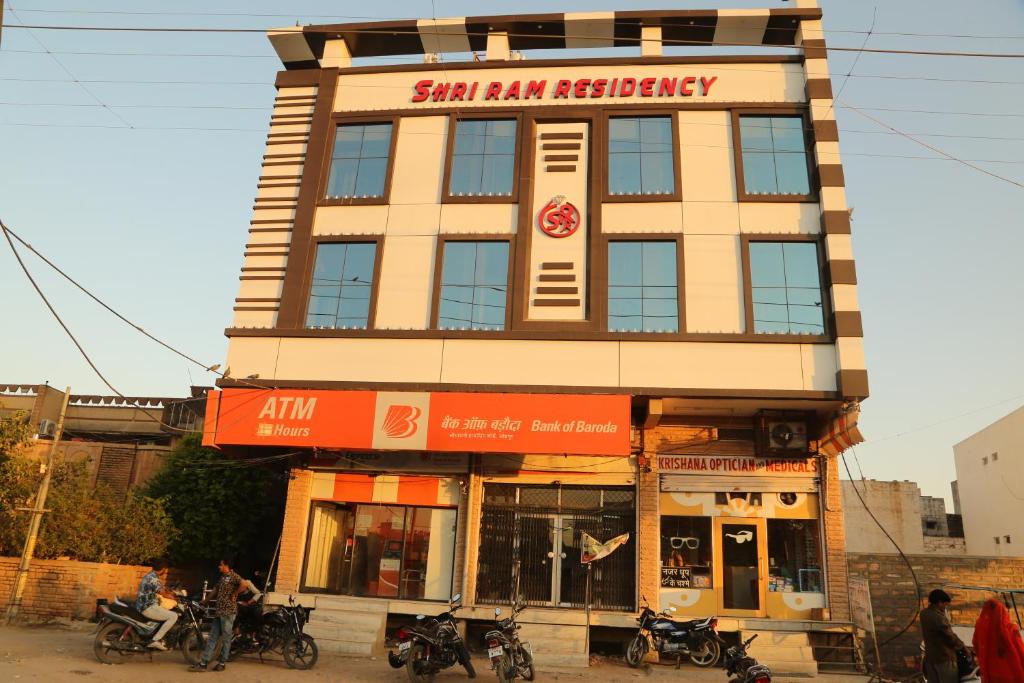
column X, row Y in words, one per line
column 579, row 424
column 841, row 433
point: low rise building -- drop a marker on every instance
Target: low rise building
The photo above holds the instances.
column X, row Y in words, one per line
column 918, row 524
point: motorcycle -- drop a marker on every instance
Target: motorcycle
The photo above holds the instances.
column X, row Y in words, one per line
column 696, row 639
column 510, row 658
column 124, row 632
column 433, row 645
column 278, row 630
column 744, row 667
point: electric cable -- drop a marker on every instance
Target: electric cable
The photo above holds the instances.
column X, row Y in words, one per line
column 906, row 560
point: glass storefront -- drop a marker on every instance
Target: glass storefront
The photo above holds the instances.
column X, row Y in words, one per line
column 385, row 550
column 531, row 535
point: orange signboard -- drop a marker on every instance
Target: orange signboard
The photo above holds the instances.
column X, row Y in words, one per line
column 440, row 421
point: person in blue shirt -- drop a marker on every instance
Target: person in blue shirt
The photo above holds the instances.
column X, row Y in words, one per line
column 148, row 602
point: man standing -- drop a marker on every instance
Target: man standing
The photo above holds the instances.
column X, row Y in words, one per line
column 148, row 602
column 940, row 643
column 226, row 594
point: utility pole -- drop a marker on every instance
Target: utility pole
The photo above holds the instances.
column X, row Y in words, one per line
column 21, row 578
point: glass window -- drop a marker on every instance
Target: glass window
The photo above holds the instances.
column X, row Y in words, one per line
column 640, row 156
column 643, row 293
column 786, row 288
column 359, row 164
column 339, row 296
column 774, row 155
column 483, row 161
column 686, row 552
column 794, row 558
column 474, row 286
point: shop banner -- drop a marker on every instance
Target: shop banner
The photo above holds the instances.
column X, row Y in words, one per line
column 737, row 465
column 440, row 421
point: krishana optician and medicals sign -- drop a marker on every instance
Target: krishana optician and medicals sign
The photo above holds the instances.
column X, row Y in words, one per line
column 439, row 421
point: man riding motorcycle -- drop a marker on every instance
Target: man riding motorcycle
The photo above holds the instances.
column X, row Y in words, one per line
column 148, row 602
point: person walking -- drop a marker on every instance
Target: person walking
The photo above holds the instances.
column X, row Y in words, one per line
column 998, row 645
column 148, row 602
column 940, row 643
column 226, row 593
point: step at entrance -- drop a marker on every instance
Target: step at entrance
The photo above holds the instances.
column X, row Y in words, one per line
column 785, row 652
column 556, row 644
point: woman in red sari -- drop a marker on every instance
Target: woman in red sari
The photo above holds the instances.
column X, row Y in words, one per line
column 998, row 645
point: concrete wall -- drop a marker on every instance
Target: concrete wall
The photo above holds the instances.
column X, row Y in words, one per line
column 896, row 504
column 990, row 483
column 894, row 599
column 933, row 516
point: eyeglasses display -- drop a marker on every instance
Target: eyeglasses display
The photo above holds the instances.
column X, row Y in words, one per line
column 679, row 542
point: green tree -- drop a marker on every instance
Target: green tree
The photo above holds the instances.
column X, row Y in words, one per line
column 220, row 506
column 15, row 434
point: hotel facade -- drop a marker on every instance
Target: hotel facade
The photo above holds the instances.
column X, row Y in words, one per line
column 495, row 300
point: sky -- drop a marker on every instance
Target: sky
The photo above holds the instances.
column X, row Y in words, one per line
column 148, row 205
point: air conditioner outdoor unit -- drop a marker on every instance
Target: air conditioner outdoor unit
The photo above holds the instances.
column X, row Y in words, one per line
column 47, row 428
column 783, row 434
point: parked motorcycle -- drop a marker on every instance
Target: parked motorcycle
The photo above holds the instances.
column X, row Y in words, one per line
column 278, row 630
column 124, row 631
column 510, row 658
column 434, row 644
column 743, row 667
column 696, row 639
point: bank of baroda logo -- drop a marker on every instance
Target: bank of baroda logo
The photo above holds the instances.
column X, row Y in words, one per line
column 400, row 420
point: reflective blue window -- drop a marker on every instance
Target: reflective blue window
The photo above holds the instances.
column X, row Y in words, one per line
column 774, row 155
column 359, row 164
column 474, row 286
column 640, row 158
column 786, row 288
column 342, row 282
column 643, row 294
column 483, row 160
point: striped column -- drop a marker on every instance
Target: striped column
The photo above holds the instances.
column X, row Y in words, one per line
column 851, row 378
column 273, row 217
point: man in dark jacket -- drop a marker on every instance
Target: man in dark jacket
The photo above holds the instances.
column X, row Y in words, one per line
column 940, row 643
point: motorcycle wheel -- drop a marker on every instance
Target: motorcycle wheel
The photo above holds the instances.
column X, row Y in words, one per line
column 395, row 660
column 415, row 665
column 107, row 636
column 527, row 668
column 636, row 651
column 505, row 669
column 192, row 646
column 465, row 660
column 708, row 654
column 301, row 652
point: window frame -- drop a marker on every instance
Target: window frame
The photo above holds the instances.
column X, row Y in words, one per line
column 680, row 282
column 328, row 158
column 435, row 295
column 824, row 284
column 813, row 182
column 605, row 159
column 378, row 240
column 449, row 157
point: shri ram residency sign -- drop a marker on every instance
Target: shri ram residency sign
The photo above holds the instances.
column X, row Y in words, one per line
column 563, row 89
column 421, row 421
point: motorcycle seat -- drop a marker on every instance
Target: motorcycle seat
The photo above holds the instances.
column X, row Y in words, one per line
column 692, row 624
column 127, row 611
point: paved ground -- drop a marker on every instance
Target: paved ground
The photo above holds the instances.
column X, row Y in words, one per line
column 65, row 654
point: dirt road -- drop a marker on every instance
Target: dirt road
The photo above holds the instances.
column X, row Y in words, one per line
column 65, row 654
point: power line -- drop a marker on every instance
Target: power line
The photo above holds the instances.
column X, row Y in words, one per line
column 688, row 43
column 936, row 149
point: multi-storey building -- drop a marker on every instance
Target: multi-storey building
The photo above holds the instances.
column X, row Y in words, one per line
column 500, row 302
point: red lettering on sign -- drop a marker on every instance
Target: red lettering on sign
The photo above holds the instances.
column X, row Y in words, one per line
column 581, row 87
column 558, row 220
column 628, row 87
column 458, row 92
column 685, row 90
column 706, row 84
column 441, row 92
column 422, row 91
column 493, row 91
column 535, row 89
column 472, row 91
column 562, row 89
column 599, row 86
column 513, row 91
column 647, row 87
column 667, row 87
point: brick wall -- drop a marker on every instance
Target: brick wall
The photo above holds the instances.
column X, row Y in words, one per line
column 293, row 539
column 894, row 600
column 66, row 589
column 835, row 543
